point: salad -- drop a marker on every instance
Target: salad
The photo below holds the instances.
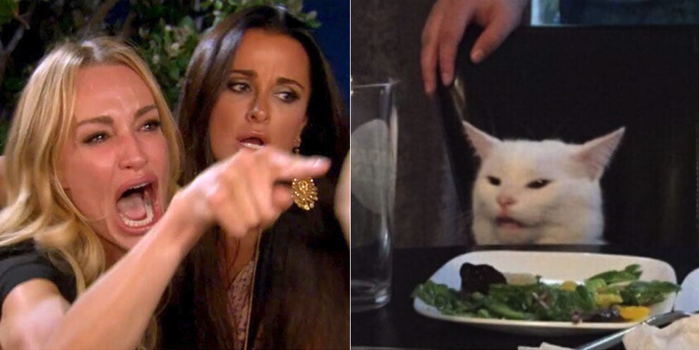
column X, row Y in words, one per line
column 611, row 296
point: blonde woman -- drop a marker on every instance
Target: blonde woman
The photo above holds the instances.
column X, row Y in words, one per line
column 91, row 162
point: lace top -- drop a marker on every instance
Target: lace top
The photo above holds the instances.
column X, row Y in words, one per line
column 239, row 301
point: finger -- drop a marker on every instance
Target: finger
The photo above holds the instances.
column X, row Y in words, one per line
column 281, row 198
column 428, row 63
column 286, row 167
column 234, row 215
column 453, row 27
column 198, row 195
column 261, row 185
column 234, row 207
column 493, row 36
column 428, row 55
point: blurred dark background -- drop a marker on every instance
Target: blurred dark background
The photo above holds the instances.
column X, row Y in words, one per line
column 610, row 65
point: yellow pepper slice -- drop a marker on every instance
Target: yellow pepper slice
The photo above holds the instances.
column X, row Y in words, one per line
column 569, row 286
column 633, row 313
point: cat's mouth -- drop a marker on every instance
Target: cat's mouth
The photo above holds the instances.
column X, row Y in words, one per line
column 508, row 222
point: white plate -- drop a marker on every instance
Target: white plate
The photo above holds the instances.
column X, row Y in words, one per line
column 552, row 266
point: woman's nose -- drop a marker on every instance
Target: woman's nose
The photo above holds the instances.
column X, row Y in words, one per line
column 259, row 112
column 133, row 155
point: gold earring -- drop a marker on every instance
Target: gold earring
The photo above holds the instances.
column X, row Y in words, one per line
column 304, row 191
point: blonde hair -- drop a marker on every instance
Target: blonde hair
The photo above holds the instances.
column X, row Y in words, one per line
column 38, row 208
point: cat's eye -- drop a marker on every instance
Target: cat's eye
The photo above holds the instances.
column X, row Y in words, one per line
column 537, row 184
column 494, row 180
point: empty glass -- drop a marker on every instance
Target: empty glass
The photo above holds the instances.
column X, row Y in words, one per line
column 373, row 167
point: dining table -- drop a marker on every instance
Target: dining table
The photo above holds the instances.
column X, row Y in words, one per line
column 398, row 326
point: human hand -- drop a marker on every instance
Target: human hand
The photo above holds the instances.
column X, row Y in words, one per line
column 445, row 27
column 247, row 190
column 343, row 199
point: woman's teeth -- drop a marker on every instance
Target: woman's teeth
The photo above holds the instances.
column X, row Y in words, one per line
column 251, row 145
column 143, row 222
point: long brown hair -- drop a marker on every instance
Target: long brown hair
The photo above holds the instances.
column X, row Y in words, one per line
column 302, row 285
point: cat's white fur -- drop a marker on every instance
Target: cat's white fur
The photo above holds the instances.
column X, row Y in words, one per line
column 568, row 210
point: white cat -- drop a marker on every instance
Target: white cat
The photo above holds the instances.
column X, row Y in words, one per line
column 539, row 192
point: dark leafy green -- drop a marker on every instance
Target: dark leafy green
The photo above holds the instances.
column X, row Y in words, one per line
column 445, row 299
column 642, row 293
column 630, row 273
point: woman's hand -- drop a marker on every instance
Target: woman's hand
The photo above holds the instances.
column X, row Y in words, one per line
column 446, row 25
column 246, row 191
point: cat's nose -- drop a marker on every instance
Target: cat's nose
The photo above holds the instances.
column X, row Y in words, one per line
column 505, row 201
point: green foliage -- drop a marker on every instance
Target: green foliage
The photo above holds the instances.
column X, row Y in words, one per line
column 164, row 31
column 221, row 8
column 167, row 52
column 630, row 273
column 445, row 299
column 647, row 293
column 8, row 10
column 171, row 34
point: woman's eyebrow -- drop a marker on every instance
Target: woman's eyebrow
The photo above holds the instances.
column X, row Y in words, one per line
column 283, row 80
column 247, row 73
column 100, row 119
column 143, row 110
column 105, row 119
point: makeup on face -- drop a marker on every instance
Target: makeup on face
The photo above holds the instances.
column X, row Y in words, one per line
column 115, row 167
column 266, row 96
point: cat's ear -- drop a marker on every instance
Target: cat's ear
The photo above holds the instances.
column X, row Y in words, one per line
column 482, row 142
column 597, row 153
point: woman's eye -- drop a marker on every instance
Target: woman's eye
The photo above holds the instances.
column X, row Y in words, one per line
column 96, row 138
column 537, row 184
column 494, row 180
column 288, row 96
column 152, row 125
column 238, row 87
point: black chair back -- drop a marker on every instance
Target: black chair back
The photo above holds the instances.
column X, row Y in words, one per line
column 577, row 83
